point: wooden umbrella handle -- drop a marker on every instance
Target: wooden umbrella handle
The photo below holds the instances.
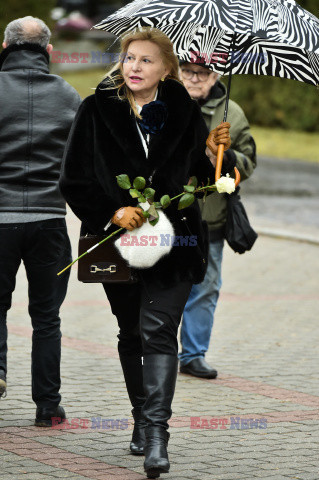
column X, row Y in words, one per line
column 219, row 161
column 219, row 164
column 237, row 176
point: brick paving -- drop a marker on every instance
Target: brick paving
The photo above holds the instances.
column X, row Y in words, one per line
column 258, row 419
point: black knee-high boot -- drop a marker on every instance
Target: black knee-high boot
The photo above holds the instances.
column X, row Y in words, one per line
column 133, row 375
column 160, row 372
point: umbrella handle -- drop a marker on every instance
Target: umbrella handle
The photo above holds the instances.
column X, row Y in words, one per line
column 219, row 163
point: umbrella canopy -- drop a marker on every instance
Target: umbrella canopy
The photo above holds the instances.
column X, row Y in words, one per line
column 259, row 37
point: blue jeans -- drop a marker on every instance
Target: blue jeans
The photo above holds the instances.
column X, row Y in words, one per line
column 198, row 317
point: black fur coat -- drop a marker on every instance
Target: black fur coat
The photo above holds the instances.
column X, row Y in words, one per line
column 104, row 142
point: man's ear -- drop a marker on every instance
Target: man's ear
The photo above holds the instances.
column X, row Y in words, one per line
column 4, row 45
column 49, row 48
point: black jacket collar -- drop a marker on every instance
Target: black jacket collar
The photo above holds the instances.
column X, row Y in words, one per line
column 121, row 122
column 26, row 55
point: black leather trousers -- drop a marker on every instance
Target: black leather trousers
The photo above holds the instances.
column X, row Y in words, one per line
column 148, row 316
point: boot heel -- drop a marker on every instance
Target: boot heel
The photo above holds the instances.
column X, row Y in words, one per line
column 156, row 458
column 154, row 472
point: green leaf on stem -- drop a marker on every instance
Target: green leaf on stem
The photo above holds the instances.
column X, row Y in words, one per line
column 141, row 199
column 153, row 221
column 157, row 204
column 154, row 216
column 134, row 193
column 193, row 182
column 189, row 188
column 146, row 214
column 149, row 193
column 186, row 200
column 139, row 183
column 123, row 181
column 153, row 213
column 165, row 201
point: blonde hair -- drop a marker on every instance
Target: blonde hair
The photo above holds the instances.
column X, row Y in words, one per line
column 167, row 53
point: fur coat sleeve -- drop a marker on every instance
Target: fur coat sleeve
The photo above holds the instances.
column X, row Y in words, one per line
column 79, row 182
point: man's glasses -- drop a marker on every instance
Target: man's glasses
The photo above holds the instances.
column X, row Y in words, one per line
column 189, row 74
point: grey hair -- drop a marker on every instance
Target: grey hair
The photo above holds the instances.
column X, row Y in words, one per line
column 27, row 30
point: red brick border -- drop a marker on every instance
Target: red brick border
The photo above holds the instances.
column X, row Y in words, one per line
column 259, row 388
column 271, row 417
column 71, row 342
column 59, row 458
column 20, row 441
column 230, row 381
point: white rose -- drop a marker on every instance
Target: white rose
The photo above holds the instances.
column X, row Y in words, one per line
column 225, row 184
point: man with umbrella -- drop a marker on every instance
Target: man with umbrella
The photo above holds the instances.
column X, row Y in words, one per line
column 203, row 85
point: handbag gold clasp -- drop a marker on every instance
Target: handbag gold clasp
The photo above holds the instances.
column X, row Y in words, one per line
column 95, row 269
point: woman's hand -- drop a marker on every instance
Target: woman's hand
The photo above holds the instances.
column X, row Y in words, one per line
column 220, row 135
column 129, row 218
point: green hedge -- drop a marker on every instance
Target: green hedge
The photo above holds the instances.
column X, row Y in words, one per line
column 311, row 5
column 270, row 102
column 276, row 102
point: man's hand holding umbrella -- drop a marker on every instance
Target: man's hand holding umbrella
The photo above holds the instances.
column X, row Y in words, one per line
column 218, row 142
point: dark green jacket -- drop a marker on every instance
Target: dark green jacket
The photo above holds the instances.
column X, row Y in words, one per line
column 215, row 207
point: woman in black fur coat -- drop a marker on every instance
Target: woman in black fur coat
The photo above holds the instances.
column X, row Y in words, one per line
column 142, row 122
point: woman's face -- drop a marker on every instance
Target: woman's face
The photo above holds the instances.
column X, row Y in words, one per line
column 143, row 67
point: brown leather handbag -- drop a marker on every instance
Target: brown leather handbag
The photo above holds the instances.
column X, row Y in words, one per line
column 104, row 264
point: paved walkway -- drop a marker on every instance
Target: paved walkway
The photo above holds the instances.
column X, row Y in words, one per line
column 258, row 419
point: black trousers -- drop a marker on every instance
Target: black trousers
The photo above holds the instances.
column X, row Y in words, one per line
column 148, row 316
column 44, row 247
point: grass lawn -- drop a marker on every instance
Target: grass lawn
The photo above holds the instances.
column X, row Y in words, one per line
column 270, row 142
column 286, row 144
column 84, row 81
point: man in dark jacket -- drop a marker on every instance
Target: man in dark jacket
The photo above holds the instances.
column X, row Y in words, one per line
column 202, row 84
column 37, row 110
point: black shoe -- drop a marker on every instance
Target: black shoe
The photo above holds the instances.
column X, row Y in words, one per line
column 48, row 417
column 199, row 368
column 156, row 458
column 133, row 374
column 3, row 384
column 138, row 438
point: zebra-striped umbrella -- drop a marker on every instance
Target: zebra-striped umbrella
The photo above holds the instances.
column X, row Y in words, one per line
column 260, row 37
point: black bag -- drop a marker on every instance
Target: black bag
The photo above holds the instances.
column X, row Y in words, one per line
column 239, row 234
column 104, row 264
